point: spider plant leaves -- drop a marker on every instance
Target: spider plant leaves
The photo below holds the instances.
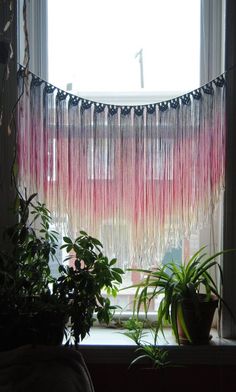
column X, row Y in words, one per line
column 168, row 299
column 181, row 321
column 157, row 356
column 195, row 257
column 161, row 316
column 174, row 315
column 138, row 359
column 142, row 300
column 202, row 269
column 209, row 280
column 174, row 283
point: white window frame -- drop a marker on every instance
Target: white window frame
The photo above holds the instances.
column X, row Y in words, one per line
column 37, row 17
column 211, row 64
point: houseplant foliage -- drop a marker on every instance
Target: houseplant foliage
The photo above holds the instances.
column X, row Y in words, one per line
column 24, row 271
column 40, row 304
column 24, row 261
column 147, row 352
column 185, row 292
column 82, row 285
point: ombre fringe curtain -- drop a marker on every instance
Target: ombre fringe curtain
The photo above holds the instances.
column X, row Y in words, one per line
column 140, row 178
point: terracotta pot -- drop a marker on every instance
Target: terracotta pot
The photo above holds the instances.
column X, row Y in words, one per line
column 198, row 320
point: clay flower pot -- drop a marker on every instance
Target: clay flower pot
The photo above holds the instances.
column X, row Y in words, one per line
column 198, row 319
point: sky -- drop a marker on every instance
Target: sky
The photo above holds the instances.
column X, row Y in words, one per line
column 92, row 44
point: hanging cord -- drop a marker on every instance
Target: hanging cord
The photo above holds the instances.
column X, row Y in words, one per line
column 13, row 122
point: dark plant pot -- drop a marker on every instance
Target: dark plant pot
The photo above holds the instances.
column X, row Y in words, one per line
column 44, row 327
column 50, row 327
column 198, row 320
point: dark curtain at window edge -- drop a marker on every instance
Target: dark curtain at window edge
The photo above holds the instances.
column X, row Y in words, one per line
column 7, row 133
column 229, row 232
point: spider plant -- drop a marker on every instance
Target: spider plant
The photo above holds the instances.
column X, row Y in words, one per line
column 177, row 284
column 146, row 351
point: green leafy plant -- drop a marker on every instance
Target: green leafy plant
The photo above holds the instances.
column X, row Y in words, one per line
column 146, row 351
column 83, row 286
column 25, row 276
column 30, row 294
column 30, row 245
column 175, row 284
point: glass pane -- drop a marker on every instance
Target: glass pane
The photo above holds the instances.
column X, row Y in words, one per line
column 95, row 45
column 118, row 46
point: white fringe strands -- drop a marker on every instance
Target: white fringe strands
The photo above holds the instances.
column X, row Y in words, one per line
column 139, row 178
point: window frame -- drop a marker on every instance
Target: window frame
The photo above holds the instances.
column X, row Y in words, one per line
column 212, row 56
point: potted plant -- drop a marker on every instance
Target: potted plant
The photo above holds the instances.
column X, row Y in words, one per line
column 150, row 360
column 82, row 286
column 35, row 306
column 146, row 350
column 188, row 296
column 24, row 271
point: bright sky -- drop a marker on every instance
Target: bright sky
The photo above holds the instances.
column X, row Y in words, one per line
column 92, row 44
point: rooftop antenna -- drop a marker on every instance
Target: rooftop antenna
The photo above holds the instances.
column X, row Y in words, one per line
column 140, row 56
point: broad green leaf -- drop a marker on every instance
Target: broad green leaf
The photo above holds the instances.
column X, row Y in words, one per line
column 67, row 240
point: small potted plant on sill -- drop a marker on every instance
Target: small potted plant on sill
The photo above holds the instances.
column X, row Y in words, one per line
column 147, row 351
column 150, row 360
column 34, row 305
column 188, row 297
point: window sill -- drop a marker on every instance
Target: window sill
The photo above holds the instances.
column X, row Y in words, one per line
column 107, row 345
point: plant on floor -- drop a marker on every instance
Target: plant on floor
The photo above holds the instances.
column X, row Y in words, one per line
column 184, row 290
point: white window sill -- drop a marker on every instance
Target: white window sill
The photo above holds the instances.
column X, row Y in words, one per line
column 107, row 345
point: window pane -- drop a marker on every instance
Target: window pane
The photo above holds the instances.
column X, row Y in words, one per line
column 93, row 44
